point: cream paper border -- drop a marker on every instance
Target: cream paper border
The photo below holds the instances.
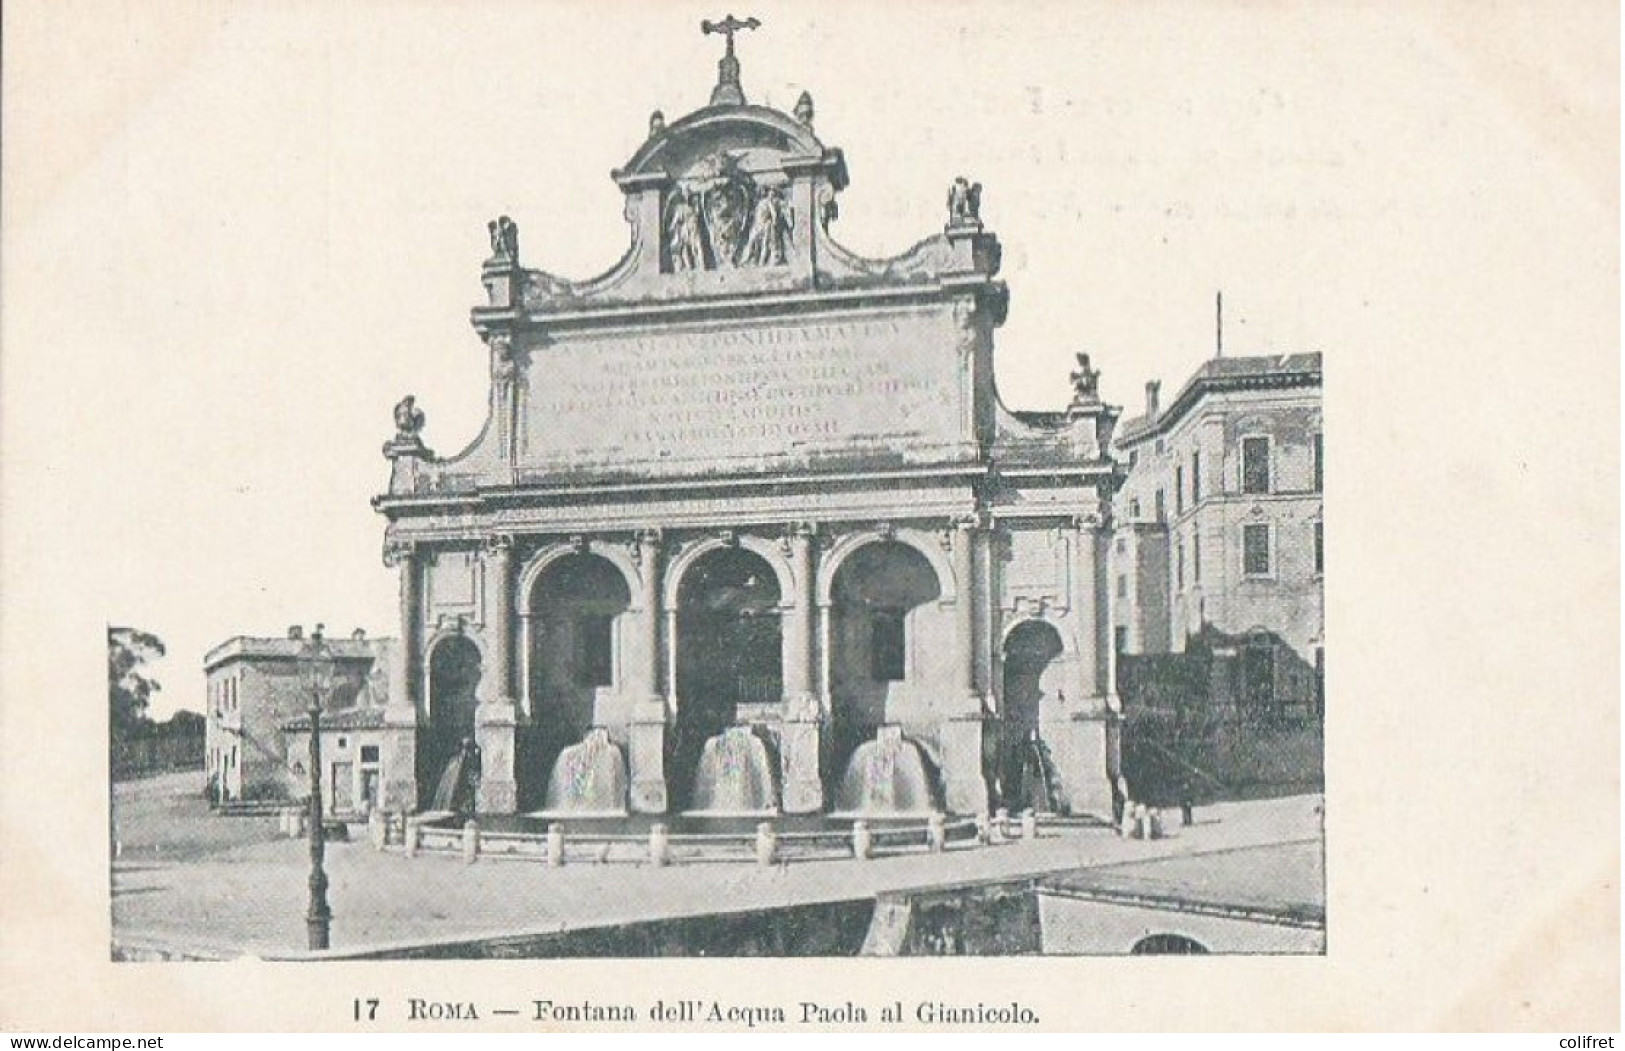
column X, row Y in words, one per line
column 1471, row 406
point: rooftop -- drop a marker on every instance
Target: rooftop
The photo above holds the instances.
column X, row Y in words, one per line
column 1223, row 374
column 360, row 718
column 289, row 647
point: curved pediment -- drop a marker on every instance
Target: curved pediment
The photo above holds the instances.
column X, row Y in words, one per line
column 737, row 200
column 757, row 139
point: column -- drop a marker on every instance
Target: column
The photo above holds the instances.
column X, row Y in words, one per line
column 649, row 566
column 646, row 732
column 799, row 731
column 1093, row 732
column 398, row 757
column 1090, row 594
column 962, row 730
column 965, row 608
column 495, row 718
column 800, row 624
column 499, row 621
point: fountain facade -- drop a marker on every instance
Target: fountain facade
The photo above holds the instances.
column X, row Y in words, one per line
column 826, row 550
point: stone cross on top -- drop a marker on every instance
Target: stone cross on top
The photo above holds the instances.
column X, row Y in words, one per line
column 728, row 92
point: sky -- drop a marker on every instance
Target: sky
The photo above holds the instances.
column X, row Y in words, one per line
column 240, row 232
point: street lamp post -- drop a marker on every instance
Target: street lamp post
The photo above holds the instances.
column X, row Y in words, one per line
column 318, row 666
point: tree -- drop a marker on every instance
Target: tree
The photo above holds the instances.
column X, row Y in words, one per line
column 129, row 690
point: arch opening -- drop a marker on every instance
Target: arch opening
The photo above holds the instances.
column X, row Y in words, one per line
column 729, row 648
column 1033, row 672
column 1168, row 945
column 576, row 610
column 885, row 643
column 454, row 678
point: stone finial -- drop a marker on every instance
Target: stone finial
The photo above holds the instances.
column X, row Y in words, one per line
column 409, row 419
column 408, row 440
column 657, row 123
column 964, row 204
column 804, row 110
column 504, row 238
column 1085, row 384
column 728, row 92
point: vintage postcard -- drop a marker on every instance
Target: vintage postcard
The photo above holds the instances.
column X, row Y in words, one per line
column 810, row 518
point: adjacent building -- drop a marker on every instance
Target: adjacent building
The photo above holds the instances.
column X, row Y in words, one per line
column 1218, row 542
column 257, row 687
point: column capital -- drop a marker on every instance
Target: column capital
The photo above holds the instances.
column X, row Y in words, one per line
column 399, row 552
column 800, row 535
column 497, row 544
column 645, row 541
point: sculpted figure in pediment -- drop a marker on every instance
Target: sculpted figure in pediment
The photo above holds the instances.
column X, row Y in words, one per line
column 769, row 229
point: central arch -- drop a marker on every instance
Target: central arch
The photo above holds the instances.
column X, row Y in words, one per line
column 729, row 649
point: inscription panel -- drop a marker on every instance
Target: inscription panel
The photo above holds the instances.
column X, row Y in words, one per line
column 692, row 399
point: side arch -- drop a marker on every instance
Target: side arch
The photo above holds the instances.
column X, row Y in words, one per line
column 436, row 638
column 844, row 548
column 1012, row 624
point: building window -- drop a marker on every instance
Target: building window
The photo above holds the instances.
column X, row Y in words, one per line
column 1179, row 566
column 1179, row 490
column 1320, row 550
column 595, row 650
column 1134, row 508
column 1122, row 545
column 1255, row 465
column 1122, row 586
column 1120, row 638
column 1196, row 558
column 1162, row 507
column 1255, row 550
column 888, row 645
column 369, row 753
column 1196, row 477
column 1319, row 452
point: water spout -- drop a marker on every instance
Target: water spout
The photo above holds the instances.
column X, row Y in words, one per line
column 1036, row 789
column 886, row 777
column 459, row 780
column 589, row 779
column 735, row 775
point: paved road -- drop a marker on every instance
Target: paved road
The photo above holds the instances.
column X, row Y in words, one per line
column 250, row 898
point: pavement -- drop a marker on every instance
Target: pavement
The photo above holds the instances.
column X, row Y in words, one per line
column 231, row 891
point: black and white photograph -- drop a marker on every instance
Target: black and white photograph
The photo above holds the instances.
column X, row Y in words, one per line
column 614, row 486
